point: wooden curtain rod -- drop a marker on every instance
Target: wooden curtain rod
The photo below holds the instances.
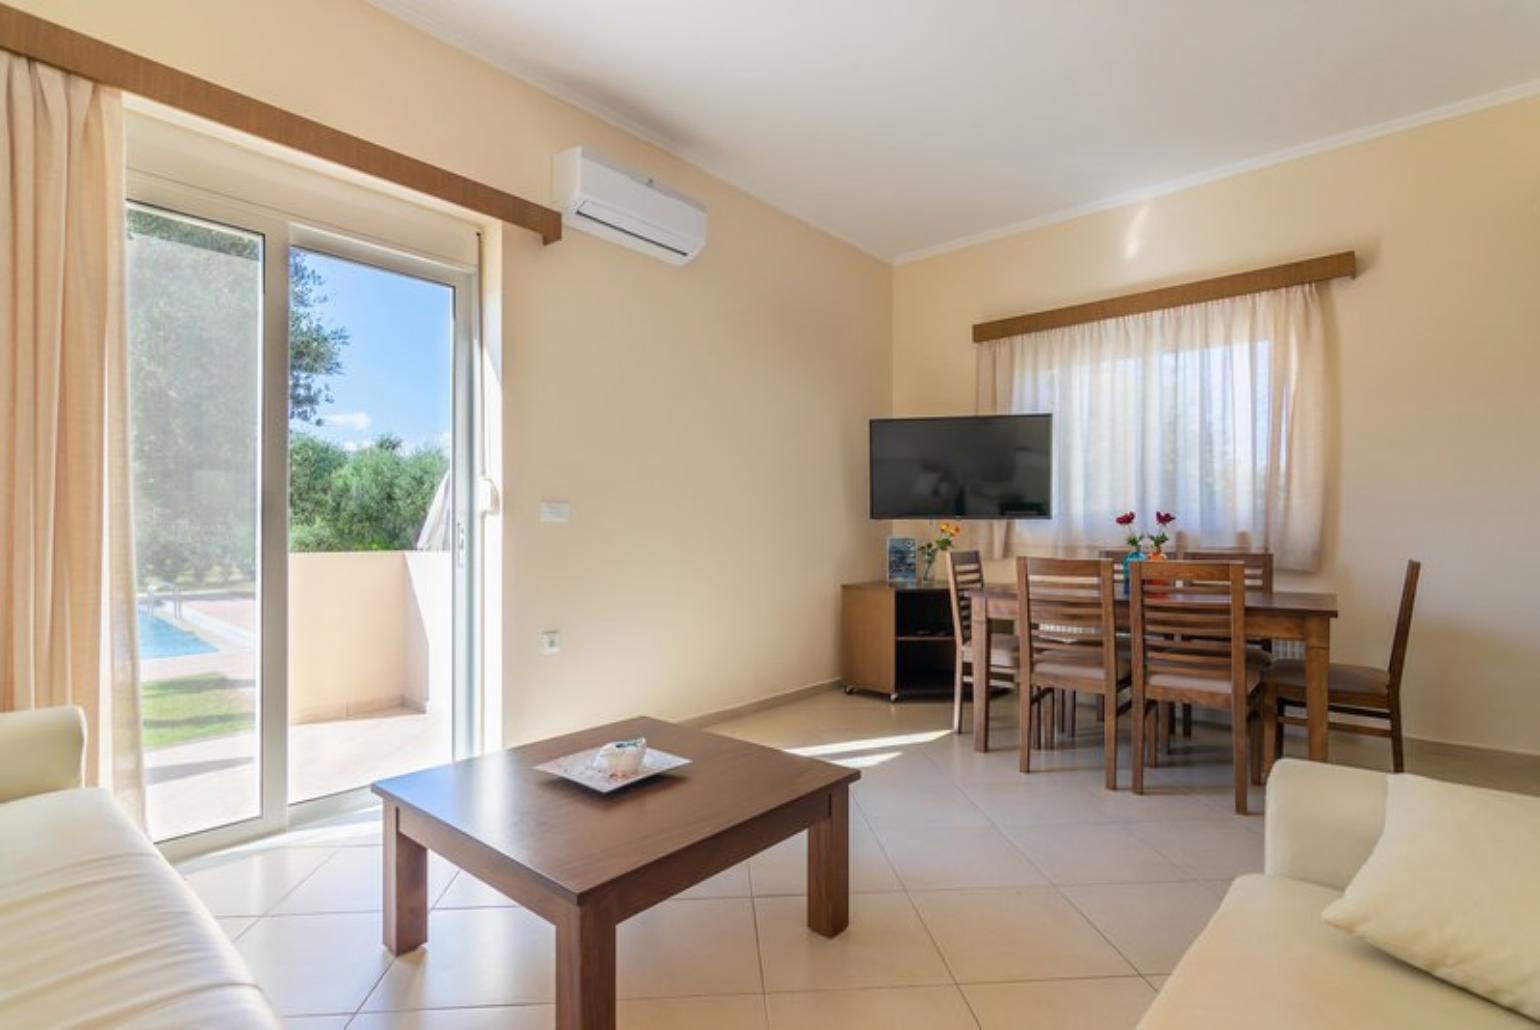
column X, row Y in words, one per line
column 1295, row 273
column 82, row 55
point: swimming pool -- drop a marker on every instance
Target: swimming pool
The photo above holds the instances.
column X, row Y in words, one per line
column 160, row 639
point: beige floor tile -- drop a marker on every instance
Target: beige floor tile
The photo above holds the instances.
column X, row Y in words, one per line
column 1092, row 853
column 782, row 869
column 702, row 946
column 885, row 945
column 1150, row 923
column 1156, row 804
column 746, row 1011
column 234, row 926
column 729, row 883
column 1113, row 1003
column 1157, row 982
column 250, row 883
column 316, row 1022
column 465, row 891
column 1039, row 798
column 1026, row 933
column 981, row 856
column 347, row 830
column 1220, row 887
column 351, row 880
column 892, row 1008
column 939, row 805
column 1209, row 848
column 518, row 1017
column 474, row 957
column 315, row 965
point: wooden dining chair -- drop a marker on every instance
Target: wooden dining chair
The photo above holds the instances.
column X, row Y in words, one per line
column 964, row 574
column 1067, row 625
column 1259, row 576
column 1189, row 637
column 1362, row 691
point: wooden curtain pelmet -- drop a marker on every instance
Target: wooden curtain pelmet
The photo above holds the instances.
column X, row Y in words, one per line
column 1295, row 273
column 71, row 51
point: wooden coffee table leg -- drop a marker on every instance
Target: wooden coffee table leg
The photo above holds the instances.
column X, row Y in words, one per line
column 828, row 867
column 585, row 970
column 406, row 887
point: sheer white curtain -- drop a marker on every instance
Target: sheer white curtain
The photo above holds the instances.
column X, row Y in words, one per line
column 66, row 554
column 1214, row 411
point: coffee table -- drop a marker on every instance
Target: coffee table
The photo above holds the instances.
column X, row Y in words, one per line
column 586, row 861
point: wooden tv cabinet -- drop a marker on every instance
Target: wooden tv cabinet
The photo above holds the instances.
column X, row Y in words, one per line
column 897, row 640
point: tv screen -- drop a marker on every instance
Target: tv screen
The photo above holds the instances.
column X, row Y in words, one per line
column 980, row 467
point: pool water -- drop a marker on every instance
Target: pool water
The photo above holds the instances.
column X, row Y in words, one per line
column 160, row 639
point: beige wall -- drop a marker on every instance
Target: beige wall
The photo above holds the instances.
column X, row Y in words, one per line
column 707, row 424
column 1436, row 360
column 368, row 631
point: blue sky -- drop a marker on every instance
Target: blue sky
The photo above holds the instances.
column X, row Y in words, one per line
column 396, row 369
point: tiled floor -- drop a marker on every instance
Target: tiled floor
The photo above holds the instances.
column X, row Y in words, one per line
column 982, row 898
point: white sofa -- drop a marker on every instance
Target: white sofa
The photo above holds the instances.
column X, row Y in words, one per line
column 1266, row 960
column 96, row 929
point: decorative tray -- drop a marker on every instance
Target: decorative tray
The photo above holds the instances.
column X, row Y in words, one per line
column 579, row 768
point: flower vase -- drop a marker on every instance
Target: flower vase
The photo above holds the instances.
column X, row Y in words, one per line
column 1156, row 555
column 928, row 566
column 1132, row 556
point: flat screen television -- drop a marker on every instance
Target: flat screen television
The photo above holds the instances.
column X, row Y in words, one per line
column 974, row 467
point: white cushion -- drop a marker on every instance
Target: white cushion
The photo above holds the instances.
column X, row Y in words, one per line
column 1452, row 888
column 96, row 929
column 1266, row 961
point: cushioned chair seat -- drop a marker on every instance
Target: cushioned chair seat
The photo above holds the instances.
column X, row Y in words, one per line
column 1361, row 681
column 1076, row 667
column 1186, row 681
column 1002, row 650
column 1267, row 962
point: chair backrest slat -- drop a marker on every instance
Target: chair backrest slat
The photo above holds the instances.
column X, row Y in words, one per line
column 1259, row 565
column 964, row 573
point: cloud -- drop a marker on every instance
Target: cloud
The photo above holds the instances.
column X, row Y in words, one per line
column 357, row 420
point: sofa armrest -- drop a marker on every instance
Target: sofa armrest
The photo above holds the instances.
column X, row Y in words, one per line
column 41, row 749
column 1322, row 821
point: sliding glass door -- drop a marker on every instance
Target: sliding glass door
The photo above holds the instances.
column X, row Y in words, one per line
column 195, row 319
column 371, row 518
column 302, row 467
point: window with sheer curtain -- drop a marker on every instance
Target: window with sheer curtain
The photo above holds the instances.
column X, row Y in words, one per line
column 1215, row 411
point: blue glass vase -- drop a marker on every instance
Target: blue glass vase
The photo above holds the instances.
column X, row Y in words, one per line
column 1128, row 569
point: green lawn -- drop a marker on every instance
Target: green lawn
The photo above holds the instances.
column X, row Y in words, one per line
column 188, row 708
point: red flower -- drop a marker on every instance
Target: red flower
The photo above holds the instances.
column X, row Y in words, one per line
column 1165, row 518
column 1126, row 519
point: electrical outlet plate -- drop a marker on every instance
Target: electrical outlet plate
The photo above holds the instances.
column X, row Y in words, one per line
column 550, row 641
column 555, row 511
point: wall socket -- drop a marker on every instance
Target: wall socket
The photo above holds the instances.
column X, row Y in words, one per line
column 550, row 641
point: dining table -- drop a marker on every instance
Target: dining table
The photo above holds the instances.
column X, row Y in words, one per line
column 1273, row 615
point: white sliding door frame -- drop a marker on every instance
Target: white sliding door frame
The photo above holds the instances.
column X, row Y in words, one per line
column 280, row 232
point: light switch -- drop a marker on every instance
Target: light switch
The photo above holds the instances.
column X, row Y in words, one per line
column 555, row 511
column 550, row 641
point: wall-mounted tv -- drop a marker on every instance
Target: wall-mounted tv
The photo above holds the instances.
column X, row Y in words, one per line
column 975, row 467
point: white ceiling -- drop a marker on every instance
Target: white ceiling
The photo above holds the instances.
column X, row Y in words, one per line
column 906, row 125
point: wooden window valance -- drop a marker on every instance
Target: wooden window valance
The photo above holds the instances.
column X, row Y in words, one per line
column 41, row 40
column 1295, row 273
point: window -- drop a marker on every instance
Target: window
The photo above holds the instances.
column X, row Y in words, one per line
column 1213, row 411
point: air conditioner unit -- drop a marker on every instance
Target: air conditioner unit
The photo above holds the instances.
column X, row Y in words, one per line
column 607, row 199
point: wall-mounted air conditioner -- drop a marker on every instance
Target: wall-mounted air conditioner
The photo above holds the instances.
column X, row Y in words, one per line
column 607, row 199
